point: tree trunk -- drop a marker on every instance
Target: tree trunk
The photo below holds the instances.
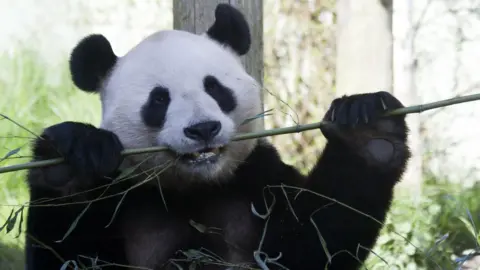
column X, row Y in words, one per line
column 364, row 46
column 365, row 60
column 404, row 87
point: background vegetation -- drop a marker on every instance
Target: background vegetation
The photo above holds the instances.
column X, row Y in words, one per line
column 29, row 98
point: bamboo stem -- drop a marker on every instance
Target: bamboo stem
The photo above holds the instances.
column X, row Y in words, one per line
column 253, row 135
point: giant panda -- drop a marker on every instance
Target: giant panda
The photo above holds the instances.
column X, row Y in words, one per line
column 235, row 201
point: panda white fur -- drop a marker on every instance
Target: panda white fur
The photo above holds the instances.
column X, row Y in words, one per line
column 190, row 93
column 194, row 80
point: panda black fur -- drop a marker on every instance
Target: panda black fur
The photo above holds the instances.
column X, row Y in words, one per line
column 185, row 92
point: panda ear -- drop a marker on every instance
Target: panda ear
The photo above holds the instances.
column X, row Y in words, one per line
column 90, row 62
column 230, row 28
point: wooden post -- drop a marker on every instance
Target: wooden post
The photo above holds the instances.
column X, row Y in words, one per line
column 365, row 47
column 405, row 90
column 196, row 16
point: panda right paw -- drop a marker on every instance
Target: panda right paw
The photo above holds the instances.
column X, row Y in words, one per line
column 89, row 152
column 358, row 122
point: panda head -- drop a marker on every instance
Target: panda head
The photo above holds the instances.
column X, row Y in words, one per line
column 187, row 92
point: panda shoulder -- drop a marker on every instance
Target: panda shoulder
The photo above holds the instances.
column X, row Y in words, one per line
column 264, row 158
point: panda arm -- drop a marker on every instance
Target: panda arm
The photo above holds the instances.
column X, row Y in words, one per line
column 350, row 186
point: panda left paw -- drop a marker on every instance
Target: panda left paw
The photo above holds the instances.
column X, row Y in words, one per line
column 358, row 122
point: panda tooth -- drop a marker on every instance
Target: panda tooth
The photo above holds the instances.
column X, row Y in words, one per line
column 207, row 154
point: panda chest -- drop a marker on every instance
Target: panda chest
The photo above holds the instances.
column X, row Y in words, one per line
column 222, row 224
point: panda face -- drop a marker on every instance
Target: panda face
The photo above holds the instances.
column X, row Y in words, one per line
column 185, row 92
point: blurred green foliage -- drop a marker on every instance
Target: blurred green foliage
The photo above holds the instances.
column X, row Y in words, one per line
column 35, row 97
column 432, row 231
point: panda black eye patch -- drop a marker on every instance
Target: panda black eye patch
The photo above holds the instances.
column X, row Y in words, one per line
column 155, row 109
column 222, row 94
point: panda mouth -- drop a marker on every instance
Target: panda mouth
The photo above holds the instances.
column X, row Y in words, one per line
column 205, row 155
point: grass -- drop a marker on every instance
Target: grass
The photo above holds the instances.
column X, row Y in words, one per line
column 435, row 230
column 36, row 100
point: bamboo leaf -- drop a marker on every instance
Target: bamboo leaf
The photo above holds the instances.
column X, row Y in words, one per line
column 74, row 223
column 7, row 221
column 116, row 209
column 67, row 263
column 11, row 153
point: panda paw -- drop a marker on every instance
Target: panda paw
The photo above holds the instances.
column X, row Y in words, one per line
column 358, row 122
column 89, row 152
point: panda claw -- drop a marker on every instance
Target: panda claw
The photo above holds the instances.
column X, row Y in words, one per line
column 332, row 116
column 364, row 114
column 384, row 106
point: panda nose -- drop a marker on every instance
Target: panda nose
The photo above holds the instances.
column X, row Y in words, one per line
column 203, row 131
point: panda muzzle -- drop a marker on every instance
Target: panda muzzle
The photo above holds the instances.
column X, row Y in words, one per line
column 204, row 154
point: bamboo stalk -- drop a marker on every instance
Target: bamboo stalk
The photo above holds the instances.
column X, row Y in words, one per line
column 253, row 135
